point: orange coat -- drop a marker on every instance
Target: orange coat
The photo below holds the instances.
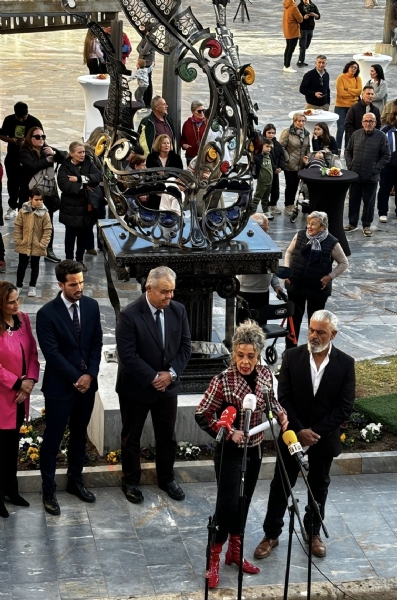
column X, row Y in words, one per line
column 291, row 19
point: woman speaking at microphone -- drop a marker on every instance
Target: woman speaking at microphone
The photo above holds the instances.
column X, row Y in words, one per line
column 245, row 375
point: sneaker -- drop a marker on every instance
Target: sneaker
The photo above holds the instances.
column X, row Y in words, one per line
column 83, row 266
column 383, row 219
column 32, row 292
column 350, row 227
column 51, row 256
column 367, row 232
column 10, row 214
column 288, row 210
column 269, row 216
column 2, row 266
column 274, row 210
column 289, row 70
column 91, row 251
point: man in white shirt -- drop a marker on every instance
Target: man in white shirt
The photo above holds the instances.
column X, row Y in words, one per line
column 316, row 387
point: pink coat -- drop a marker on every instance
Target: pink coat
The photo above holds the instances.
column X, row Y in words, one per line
column 11, row 369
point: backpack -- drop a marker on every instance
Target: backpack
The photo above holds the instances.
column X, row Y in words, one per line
column 45, row 181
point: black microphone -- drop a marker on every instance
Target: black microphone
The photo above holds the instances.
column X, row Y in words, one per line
column 249, row 405
column 295, row 449
column 265, row 392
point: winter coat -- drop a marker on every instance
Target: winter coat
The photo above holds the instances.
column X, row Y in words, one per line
column 173, row 160
column 32, row 163
column 355, row 115
column 277, row 155
column 32, row 232
column 147, row 132
column 380, row 93
column 291, row 19
column 367, row 154
column 74, row 206
column 11, row 367
column 310, row 23
column 192, row 135
column 295, row 148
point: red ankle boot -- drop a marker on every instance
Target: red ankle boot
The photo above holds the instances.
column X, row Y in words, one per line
column 213, row 571
column 233, row 556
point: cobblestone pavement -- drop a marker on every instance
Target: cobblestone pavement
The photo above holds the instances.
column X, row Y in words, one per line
column 113, row 549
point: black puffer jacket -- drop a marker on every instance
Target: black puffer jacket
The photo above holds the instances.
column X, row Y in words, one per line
column 355, row 114
column 74, row 206
column 367, row 154
column 32, row 163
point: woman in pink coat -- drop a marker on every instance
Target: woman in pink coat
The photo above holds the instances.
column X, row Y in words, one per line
column 19, row 371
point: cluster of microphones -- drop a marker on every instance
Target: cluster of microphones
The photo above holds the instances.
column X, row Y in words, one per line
column 228, row 416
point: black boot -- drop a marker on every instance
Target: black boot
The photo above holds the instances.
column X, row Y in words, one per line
column 51, row 256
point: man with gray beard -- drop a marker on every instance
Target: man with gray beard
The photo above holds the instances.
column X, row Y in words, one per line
column 316, row 387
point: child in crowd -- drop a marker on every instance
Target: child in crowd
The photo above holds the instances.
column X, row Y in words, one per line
column 278, row 160
column 316, row 161
column 142, row 75
column 32, row 235
column 265, row 180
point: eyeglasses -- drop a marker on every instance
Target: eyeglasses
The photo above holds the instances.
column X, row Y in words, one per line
column 369, row 121
column 39, row 137
column 201, row 110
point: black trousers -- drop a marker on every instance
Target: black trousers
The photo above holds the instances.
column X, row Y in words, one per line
column 148, row 95
column 318, row 479
column 2, row 249
column 365, row 191
column 304, row 43
column 255, row 302
column 13, row 170
column 9, row 450
column 78, row 236
column 388, row 179
column 312, row 303
column 291, row 187
column 133, row 417
column 275, row 191
column 78, row 412
column 22, row 266
column 289, row 50
column 229, row 478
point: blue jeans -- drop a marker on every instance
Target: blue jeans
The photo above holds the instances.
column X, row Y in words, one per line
column 342, row 112
column 304, row 42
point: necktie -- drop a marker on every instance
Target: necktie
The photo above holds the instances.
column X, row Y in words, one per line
column 77, row 327
column 158, row 323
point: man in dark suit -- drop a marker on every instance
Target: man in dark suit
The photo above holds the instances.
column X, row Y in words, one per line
column 317, row 389
column 70, row 337
column 153, row 346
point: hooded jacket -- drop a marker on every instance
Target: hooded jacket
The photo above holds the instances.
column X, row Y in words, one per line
column 32, row 232
column 291, row 19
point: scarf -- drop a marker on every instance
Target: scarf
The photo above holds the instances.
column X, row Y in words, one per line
column 198, row 123
column 315, row 244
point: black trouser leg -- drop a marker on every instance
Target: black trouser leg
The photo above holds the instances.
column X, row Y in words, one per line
column 318, row 480
column 89, row 238
column 354, row 203
column 275, row 191
column 9, row 450
column 21, row 270
column 148, row 95
column 2, row 249
column 80, row 416
column 13, row 170
column 369, row 195
column 70, row 238
column 35, row 266
column 163, row 414
column 81, row 236
column 291, row 186
column 133, row 417
column 50, row 212
column 289, row 50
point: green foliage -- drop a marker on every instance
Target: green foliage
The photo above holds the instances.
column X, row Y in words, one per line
column 381, row 409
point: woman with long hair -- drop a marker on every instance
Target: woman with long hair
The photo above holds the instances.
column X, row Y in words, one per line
column 348, row 89
column 76, row 177
column 245, row 375
column 323, row 140
column 39, row 159
column 93, row 55
column 90, row 146
column 388, row 175
column 19, row 372
column 379, row 84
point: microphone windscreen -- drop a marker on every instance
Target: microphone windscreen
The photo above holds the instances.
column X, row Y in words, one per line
column 249, row 402
column 289, row 437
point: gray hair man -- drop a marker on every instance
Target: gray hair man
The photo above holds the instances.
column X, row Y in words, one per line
column 153, row 346
column 316, row 388
column 367, row 153
column 155, row 124
column 315, row 85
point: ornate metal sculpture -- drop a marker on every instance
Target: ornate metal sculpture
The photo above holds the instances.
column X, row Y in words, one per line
column 225, row 158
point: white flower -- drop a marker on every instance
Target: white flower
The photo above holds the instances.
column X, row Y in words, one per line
column 64, row 452
column 363, row 433
column 39, row 439
column 21, row 442
column 29, row 440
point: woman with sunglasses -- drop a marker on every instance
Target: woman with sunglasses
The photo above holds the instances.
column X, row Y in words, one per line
column 193, row 130
column 38, row 160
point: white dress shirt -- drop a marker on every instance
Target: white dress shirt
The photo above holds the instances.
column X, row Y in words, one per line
column 317, row 375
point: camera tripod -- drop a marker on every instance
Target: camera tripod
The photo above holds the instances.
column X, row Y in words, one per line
column 244, row 10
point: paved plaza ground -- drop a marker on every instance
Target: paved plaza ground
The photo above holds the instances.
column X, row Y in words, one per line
column 113, row 549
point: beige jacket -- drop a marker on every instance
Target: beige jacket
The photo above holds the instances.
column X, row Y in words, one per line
column 32, row 231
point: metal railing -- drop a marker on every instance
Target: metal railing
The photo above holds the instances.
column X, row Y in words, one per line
column 22, row 22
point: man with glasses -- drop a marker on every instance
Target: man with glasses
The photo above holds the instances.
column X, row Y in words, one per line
column 13, row 132
column 356, row 112
column 155, row 124
column 193, row 130
column 315, row 85
column 367, row 153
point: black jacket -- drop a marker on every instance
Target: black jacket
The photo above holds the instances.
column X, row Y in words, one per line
column 355, row 114
column 32, row 164
column 141, row 353
column 173, row 160
column 309, row 23
column 329, row 408
column 311, row 83
column 318, row 144
column 393, row 159
column 74, row 206
column 367, row 154
column 63, row 349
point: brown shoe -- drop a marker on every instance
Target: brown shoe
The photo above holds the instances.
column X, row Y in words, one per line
column 265, row 547
column 318, row 547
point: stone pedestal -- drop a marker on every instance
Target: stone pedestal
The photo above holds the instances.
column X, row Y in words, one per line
column 387, row 49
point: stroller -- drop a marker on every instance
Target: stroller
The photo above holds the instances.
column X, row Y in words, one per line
column 302, row 201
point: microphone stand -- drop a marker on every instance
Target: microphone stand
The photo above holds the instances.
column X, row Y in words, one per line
column 242, row 506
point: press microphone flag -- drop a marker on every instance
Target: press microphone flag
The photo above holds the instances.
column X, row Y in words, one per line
column 295, row 449
column 226, row 421
column 249, row 405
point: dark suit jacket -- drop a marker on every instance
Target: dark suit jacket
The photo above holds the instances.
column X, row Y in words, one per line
column 140, row 351
column 329, row 408
column 62, row 348
column 355, row 114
